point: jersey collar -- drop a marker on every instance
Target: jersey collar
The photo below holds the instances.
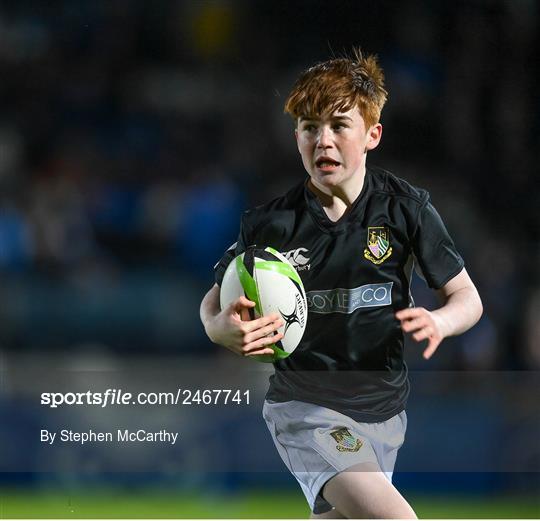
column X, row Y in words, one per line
column 316, row 210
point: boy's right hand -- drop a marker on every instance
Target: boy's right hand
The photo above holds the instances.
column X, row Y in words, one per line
column 233, row 329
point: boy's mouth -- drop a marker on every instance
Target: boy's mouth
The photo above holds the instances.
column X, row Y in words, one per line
column 326, row 162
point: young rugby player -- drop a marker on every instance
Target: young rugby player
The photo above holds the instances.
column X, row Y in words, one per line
column 335, row 407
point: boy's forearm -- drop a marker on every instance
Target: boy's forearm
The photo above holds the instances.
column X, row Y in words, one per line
column 460, row 312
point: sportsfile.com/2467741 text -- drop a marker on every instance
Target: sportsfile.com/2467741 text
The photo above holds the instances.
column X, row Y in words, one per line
column 189, row 397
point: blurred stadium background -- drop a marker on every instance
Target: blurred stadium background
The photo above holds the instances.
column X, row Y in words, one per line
column 133, row 134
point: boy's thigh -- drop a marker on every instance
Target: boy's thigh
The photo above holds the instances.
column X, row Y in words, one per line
column 363, row 491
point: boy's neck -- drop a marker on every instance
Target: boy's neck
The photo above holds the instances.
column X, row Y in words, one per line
column 337, row 200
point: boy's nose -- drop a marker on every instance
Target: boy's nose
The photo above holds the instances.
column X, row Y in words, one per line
column 324, row 138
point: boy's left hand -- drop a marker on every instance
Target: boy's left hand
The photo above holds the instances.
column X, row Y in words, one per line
column 423, row 324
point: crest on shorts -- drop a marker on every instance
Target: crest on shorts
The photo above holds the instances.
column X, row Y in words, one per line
column 346, row 442
column 378, row 244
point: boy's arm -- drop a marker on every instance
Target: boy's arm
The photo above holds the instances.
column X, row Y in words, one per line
column 233, row 329
column 461, row 309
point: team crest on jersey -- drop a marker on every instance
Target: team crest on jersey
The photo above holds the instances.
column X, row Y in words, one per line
column 346, row 442
column 378, row 244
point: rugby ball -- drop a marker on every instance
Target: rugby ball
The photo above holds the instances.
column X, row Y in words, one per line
column 267, row 278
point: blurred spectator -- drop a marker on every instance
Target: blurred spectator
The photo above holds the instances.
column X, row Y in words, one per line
column 532, row 331
column 15, row 240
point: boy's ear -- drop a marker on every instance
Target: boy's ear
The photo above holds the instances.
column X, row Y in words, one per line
column 296, row 135
column 375, row 134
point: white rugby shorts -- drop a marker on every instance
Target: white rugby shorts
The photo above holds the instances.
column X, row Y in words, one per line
column 316, row 443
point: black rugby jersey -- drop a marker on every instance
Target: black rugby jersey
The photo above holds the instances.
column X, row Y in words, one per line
column 356, row 273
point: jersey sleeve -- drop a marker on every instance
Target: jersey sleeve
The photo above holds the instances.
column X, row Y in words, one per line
column 434, row 249
column 235, row 249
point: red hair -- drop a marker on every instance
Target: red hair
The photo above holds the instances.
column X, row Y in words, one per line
column 339, row 85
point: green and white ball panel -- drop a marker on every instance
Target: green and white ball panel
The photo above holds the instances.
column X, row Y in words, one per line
column 268, row 279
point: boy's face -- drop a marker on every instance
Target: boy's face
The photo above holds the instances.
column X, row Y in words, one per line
column 334, row 146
